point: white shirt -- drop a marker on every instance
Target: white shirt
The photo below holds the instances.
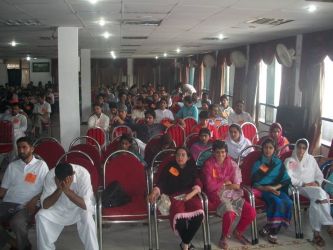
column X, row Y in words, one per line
column 138, row 114
column 19, row 122
column 42, row 109
column 239, row 118
column 64, row 211
column 24, row 181
column 103, row 121
column 161, row 114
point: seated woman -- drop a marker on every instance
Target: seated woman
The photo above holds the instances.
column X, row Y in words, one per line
column 236, row 142
column 306, row 175
column 275, row 132
column 179, row 181
column 221, row 181
column 271, row 180
column 202, row 145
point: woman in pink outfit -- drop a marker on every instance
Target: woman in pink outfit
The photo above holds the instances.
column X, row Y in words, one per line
column 221, row 181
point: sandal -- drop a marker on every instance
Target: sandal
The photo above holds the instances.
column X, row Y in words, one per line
column 263, row 232
column 241, row 238
column 272, row 239
column 223, row 244
column 319, row 241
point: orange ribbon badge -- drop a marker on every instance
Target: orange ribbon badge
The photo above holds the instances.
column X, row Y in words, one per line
column 174, row 171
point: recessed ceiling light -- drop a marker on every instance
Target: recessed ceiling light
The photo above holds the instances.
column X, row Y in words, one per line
column 101, row 22
column 221, row 36
column 13, row 43
column 106, row 35
column 93, row 1
column 156, row 57
column 165, row 54
column 178, row 50
column 312, row 8
column 28, row 58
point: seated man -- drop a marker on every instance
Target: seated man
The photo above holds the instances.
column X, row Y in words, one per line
column 239, row 116
column 204, row 123
column 188, row 110
column 99, row 119
column 42, row 111
column 162, row 112
column 67, row 199
column 20, row 190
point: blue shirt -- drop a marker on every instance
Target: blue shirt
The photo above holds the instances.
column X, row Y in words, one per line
column 188, row 112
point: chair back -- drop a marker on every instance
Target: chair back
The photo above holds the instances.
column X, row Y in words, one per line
column 259, row 137
column 120, row 130
column 159, row 161
column 49, row 149
column 190, row 122
column 203, row 156
column 6, row 132
column 223, row 131
column 177, row 134
column 115, row 145
column 151, row 146
column 90, row 150
column 84, row 160
column 191, row 139
column 98, row 134
column 250, row 131
column 247, row 165
column 285, row 155
column 126, row 168
column 242, row 155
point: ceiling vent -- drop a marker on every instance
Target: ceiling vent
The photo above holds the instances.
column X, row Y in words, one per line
column 135, row 37
column 21, row 22
column 269, row 21
column 141, row 22
column 130, row 45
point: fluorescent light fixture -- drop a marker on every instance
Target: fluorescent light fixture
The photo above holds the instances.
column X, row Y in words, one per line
column 165, row 54
column 312, row 8
column 28, row 58
column 13, row 43
column 220, row 36
column 101, row 22
column 93, row 1
column 106, row 35
column 178, row 50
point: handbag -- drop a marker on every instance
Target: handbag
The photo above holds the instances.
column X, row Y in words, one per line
column 114, row 195
column 163, row 204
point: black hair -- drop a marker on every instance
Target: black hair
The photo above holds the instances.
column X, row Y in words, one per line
column 126, row 137
column 26, row 139
column 204, row 131
column 96, row 104
column 224, row 97
column 188, row 99
column 236, row 127
column 269, row 141
column 218, row 144
column 150, row 112
column 203, row 114
column 302, row 141
column 183, row 148
column 112, row 105
column 63, row 170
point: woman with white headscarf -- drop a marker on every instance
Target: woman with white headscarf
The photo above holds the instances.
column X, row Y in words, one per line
column 306, row 175
column 236, row 142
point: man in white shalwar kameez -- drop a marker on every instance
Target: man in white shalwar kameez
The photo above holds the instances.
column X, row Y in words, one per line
column 306, row 175
column 67, row 199
column 20, row 125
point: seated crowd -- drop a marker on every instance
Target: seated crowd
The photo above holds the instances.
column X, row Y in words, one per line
column 65, row 197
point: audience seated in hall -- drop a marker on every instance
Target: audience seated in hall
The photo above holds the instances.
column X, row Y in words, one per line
column 224, row 109
column 239, row 116
column 203, row 143
column 121, row 118
column 162, row 112
column 42, row 111
column 188, row 110
column 138, row 112
column 104, row 105
column 99, row 119
column 214, row 117
column 204, row 123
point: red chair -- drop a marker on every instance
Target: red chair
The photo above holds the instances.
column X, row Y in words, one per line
column 253, row 195
column 223, row 131
column 190, row 122
column 49, row 149
column 126, row 168
column 120, row 130
column 150, row 149
column 159, row 162
column 6, row 137
column 84, row 160
column 114, row 146
column 94, row 151
column 98, row 134
column 259, row 137
column 177, row 133
column 250, row 131
column 191, row 139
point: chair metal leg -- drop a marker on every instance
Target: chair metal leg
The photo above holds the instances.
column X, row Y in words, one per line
column 156, row 228
column 296, row 215
column 300, row 230
column 149, row 227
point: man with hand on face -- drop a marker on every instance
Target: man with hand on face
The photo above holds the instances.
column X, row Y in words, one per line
column 20, row 191
column 67, row 199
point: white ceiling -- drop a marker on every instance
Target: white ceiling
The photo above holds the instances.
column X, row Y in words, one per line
column 184, row 24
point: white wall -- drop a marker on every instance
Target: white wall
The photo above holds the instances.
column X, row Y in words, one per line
column 44, row 77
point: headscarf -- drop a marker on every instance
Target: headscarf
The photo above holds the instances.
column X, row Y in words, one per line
column 306, row 155
column 280, row 140
column 235, row 148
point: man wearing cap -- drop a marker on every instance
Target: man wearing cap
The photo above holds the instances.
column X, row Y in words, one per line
column 99, row 119
column 121, row 118
column 67, row 199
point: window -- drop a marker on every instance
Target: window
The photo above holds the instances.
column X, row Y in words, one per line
column 269, row 90
column 207, row 75
column 191, row 75
column 229, row 76
column 327, row 103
